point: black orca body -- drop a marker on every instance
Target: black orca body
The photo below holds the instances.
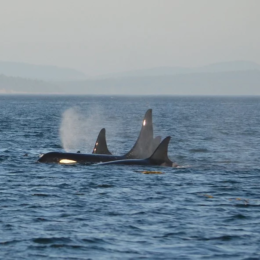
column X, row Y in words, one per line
column 158, row 158
column 70, row 158
column 141, row 148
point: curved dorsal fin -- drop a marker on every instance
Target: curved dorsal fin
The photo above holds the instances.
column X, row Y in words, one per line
column 142, row 147
column 101, row 143
column 160, row 155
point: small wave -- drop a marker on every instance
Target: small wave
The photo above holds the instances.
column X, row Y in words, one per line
column 94, row 240
column 238, row 216
column 222, row 238
column 41, row 219
column 199, row 150
column 41, row 195
column 65, row 245
column 3, row 158
column 9, row 242
column 138, row 213
column 105, row 186
column 50, row 240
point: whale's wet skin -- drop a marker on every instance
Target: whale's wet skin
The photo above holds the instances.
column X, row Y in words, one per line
column 208, row 209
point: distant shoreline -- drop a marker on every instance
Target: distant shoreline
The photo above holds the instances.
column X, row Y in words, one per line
column 128, row 96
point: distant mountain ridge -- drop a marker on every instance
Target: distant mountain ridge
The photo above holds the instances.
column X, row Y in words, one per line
column 40, row 72
column 237, row 78
column 211, row 68
column 17, row 85
column 54, row 73
column 219, row 83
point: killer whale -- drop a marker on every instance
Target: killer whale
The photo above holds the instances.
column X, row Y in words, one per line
column 142, row 146
column 158, row 158
column 70, row 158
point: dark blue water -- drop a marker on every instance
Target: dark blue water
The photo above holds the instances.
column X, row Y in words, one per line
column 208, row 210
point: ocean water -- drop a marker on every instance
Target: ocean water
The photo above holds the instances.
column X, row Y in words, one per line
column 207, row 209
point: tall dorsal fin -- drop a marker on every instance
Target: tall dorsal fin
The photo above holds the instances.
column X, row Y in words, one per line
column 101, row 143
column 160, row 155
column 142, row 147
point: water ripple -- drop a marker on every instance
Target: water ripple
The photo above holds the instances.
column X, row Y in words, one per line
column 208, row 209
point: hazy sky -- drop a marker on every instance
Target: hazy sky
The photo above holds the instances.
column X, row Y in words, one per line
column 103, row 36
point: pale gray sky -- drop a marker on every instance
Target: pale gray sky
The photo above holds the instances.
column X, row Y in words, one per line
column 103, row 36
